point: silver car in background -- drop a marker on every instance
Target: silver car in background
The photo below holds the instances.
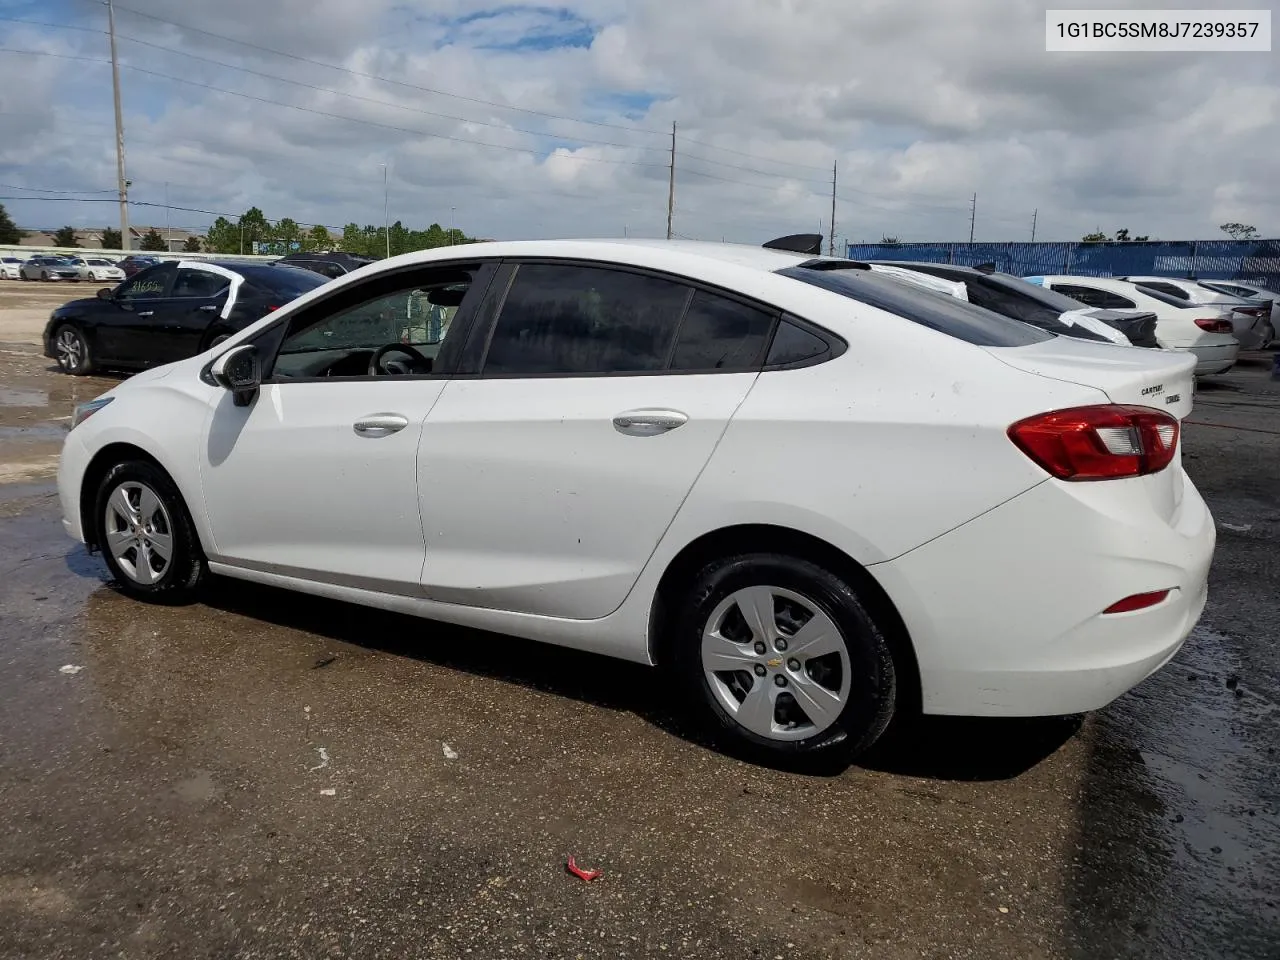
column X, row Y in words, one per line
column 1250, row 292
column 1250, row 317
column 49, row 268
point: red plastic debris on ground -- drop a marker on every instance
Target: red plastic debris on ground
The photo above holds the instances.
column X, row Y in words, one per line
column 585, row 875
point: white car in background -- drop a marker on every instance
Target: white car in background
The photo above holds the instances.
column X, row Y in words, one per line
column 1250, row 319
column 97, row 268
column 1204, row 332
column 817, row 495
column 10, row 268
column 1251, row 292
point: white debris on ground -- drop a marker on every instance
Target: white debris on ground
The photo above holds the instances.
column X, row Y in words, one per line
column 450, row 753
column 71, row 668
column 324, row 760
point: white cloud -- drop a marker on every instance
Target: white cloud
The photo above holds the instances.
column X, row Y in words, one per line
column 922, row 105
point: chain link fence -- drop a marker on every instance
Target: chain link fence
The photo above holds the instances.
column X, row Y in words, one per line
column 1249, row 261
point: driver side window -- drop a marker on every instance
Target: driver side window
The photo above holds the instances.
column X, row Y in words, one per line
column 397, row 333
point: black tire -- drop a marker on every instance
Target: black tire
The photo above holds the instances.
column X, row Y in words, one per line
column 873, row 680
column 186, row 569
column 68, row 363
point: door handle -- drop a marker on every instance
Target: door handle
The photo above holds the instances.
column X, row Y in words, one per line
column 145, row 313
column 380, row 425
column 648, row 423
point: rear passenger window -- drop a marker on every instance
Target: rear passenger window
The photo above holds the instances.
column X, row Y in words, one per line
column 198, row 283
column 1169, row 288
column 792, row 344
column 721, row 334
column 1093, row 297
column 569, row 319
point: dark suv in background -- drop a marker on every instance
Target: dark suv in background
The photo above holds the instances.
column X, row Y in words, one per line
column 329, row 265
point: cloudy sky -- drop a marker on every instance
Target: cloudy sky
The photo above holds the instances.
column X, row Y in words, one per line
column 522, row 120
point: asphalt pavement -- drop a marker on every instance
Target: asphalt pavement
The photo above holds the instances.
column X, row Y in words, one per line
column 266, row 775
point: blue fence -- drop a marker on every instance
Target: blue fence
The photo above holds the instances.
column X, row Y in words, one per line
column 1250, row 261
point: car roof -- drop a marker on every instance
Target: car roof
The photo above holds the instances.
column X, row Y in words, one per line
column 956, row 268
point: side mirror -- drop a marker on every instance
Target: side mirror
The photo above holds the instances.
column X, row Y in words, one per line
column 106, row 293
column 239, row 371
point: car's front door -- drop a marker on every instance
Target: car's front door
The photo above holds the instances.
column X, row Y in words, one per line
column 127, row 323
column 548, row 478
column 318, row 477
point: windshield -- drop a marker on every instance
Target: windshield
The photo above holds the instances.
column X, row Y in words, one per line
column 958, row 319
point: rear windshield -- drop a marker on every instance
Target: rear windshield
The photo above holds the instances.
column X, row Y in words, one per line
column 1026, row 302
column 284, row 282
column 958, row 319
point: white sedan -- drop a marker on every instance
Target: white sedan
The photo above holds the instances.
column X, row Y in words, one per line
column 818, row 496
column 97, row 268
column 1205, row 332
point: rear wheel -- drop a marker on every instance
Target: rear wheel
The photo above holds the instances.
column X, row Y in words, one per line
column 146, row 534
column 72, row 350
column 783, row 660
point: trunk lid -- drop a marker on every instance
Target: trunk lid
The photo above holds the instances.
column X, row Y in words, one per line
column 1161, row 379
column 1138, row 325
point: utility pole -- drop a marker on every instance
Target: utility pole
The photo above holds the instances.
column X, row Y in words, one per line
column 122, row 184
column 168, row 229
column 1034, row 214
column 386, row 216
column 671, row 180
column 831, row 244
column 973, row 213
column 451, row 210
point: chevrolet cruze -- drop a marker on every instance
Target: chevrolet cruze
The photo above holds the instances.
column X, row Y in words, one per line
column 815, row 495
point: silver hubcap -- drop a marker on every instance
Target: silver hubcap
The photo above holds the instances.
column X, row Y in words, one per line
column 69, row 349
column 138, row 532
column 776, row 663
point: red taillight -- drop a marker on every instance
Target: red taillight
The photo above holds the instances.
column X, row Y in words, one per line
column 1139, row 601
column 269, row 309
column 1215, row 325
column 1098, row 443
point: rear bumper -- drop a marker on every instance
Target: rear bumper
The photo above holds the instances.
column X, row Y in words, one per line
column 1005, row 612
column 1215, row 359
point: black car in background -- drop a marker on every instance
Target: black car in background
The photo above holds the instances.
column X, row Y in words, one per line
column 169, row 312
column 1014, row 297
column 331, row 265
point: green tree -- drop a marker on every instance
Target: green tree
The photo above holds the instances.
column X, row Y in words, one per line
column 287, row 233
column 1240, row 231
column 65, row 237
column 318, row 238
column 351, row 238
column 111, row 239
column 889, row 241
column 222, row 237
column 255, row 228
column 9, row 232
column 152, row 240
column 192, row 244
column 1098, row 237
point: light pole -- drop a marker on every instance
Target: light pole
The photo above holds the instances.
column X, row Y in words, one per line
column 451, row 210
column 386, row 217
column 168, row 229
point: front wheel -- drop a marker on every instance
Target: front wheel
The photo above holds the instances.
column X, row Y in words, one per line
column 783, row 660
column 146, row 534
column 44, row 274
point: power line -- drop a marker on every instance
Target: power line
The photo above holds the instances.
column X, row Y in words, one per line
column 381, row 79
column 14, row 186
column 332, row 116
column 343, row 93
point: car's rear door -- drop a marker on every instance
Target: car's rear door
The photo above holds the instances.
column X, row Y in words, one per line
column 595, row 396
column 195, row 301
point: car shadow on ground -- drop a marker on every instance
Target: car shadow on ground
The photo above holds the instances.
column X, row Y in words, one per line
column 943, row 748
